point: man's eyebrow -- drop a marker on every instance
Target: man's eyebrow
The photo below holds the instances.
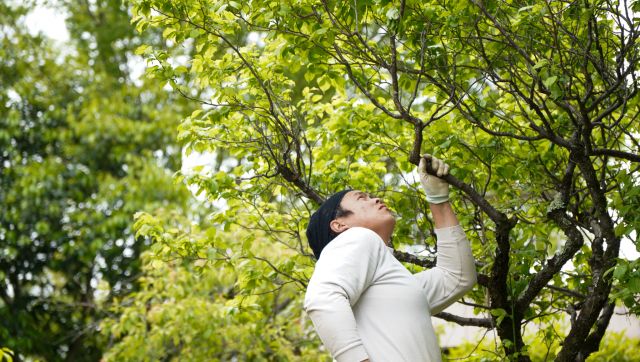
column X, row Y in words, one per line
column 360, row 193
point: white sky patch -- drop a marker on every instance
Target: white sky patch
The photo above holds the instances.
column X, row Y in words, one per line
column 628, row 248
column 48, row 21
column 257, row 38
column 13, row 95
column 137, row 67
column 202, row 163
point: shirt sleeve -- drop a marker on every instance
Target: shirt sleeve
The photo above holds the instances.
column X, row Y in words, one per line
column 345, row 269
column 454, row 273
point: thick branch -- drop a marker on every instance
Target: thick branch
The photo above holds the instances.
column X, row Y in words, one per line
column 297, row 181
column 599, row 293
column 553, row 266
column 616, row 153
column 592, row 343
column 412, row 259
column 465, row 321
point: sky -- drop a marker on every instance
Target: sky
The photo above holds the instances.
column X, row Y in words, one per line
column 49, row 21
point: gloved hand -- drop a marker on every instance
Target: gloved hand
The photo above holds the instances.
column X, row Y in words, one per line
column 436, row 189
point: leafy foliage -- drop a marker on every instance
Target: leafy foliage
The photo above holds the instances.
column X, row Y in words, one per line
column 82, row 148
column 614, row 347
column 198, row 302
column 533, row 103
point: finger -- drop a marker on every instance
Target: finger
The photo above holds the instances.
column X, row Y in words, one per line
column 422, row 167
column 441, row 168
column 446, row 169
column 428, row 162
column 435, row 164
column 426, row 157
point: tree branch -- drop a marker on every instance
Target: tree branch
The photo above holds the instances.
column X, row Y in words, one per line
column 465, row 321
column 616, row 153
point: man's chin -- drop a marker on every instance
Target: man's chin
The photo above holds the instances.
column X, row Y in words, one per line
column 392, row 220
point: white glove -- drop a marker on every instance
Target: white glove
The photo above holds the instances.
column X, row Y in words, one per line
column 436, row 189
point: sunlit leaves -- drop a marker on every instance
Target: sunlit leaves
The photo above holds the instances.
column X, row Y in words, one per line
column 301, row 99
column 84, row 145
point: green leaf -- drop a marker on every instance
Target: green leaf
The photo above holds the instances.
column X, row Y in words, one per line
column 393, row 13
column 540, row 64
column 143, row 49
column 324, row 83
column 550, row 81
column 180, row 69
column 620, row 270
column 500, row 314
column 634, row 285
column 168, row 33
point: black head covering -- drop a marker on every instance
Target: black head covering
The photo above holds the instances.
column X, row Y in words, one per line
column 319, row 232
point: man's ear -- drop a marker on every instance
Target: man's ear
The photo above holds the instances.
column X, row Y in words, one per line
column 337, row 227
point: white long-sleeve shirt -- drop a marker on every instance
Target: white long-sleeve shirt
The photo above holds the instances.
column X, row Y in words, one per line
column 365, row 304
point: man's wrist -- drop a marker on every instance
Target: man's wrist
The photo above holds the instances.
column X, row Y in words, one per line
column 437, row 199
column 443, row 215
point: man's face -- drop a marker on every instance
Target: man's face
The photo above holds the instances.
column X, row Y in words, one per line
column 366, row 211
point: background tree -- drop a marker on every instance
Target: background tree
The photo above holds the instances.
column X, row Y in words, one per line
column 83, row 146
column 201, row 300
column 534, row 104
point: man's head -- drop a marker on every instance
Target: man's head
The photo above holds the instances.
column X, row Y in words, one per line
column 344, row 210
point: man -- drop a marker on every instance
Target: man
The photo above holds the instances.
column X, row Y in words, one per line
column 364, row 304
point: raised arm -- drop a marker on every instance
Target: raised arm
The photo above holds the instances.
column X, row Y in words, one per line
column 454, row 273
column 443, row 215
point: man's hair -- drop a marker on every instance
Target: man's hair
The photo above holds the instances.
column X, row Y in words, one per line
column 340, row 212
column 319, row 232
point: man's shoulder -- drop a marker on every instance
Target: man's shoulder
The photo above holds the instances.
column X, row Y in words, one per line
column 356, row 239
